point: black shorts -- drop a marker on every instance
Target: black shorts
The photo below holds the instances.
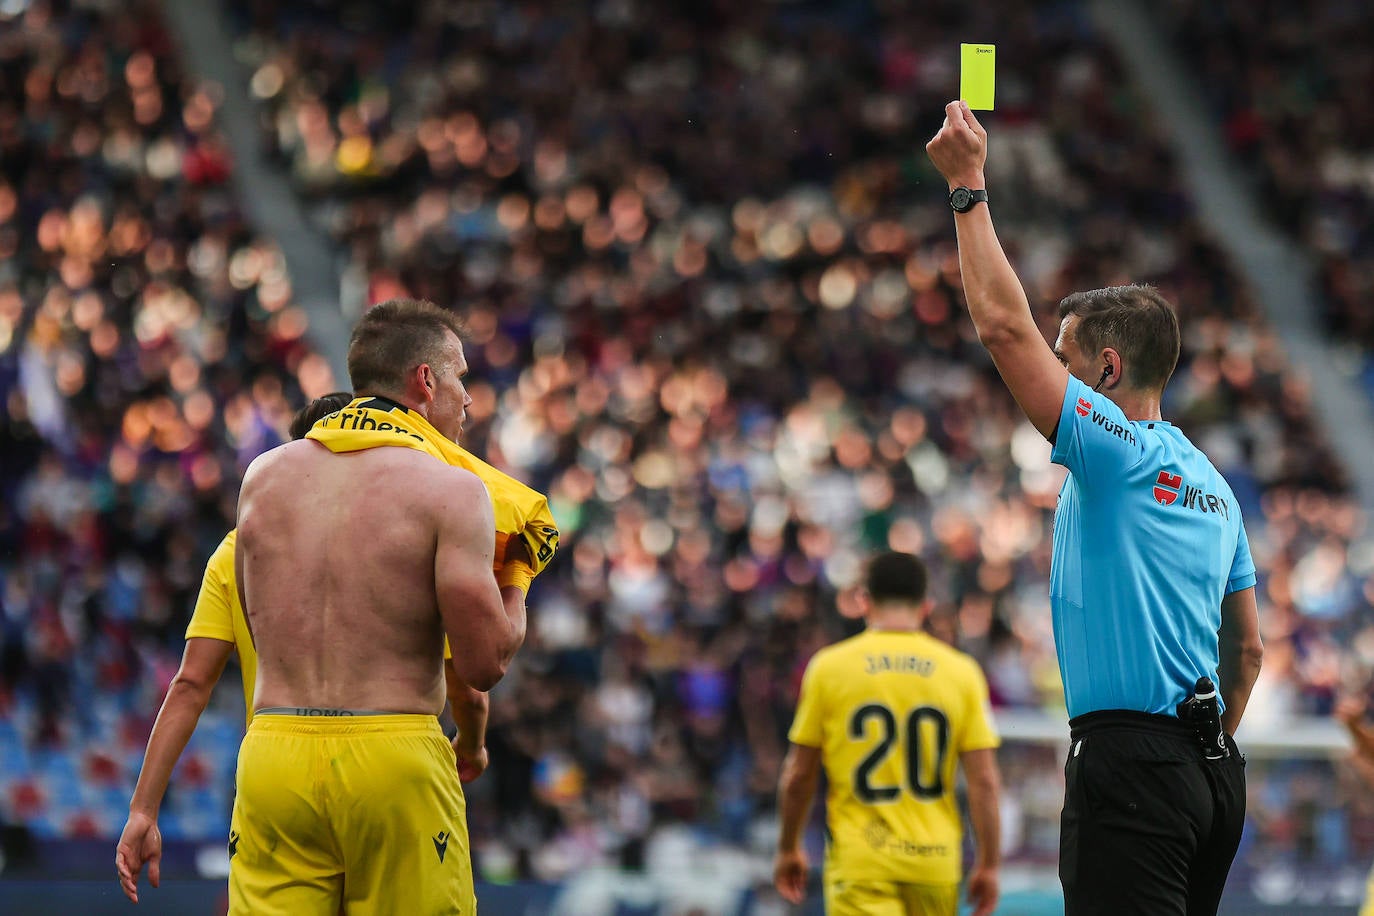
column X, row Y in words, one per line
column 1149, row 826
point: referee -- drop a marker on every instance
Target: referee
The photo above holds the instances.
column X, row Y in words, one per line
column 1151, row 583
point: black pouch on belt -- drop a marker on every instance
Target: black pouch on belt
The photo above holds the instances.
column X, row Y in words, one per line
column 1203, row 713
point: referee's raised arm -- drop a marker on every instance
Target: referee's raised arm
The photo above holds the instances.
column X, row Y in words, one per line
column 1151, row 582
column 996, row 302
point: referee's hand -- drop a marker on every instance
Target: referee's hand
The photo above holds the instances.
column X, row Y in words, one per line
column 983, row 891
column 960, row 148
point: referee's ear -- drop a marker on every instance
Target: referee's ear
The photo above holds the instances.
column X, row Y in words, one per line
column 1113, row 370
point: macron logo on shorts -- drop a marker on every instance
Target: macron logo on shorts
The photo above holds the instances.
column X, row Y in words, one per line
column 1084, row 407
column 441, row 844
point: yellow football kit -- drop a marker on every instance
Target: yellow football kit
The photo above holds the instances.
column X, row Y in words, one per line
column 219, row 615
column 891, row 711
column 374, row 797
column 355, row 814
column 890, row 898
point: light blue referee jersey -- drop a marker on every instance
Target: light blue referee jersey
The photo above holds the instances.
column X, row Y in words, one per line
column 1147, row 540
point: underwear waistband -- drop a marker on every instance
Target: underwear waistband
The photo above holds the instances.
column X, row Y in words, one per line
column 318, row 711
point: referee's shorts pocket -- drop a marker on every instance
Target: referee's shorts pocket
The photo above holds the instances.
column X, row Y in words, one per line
column 1132, row 777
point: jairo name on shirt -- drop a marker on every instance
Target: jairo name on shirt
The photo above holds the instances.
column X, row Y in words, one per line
column 899, row 664
column 1169, row 487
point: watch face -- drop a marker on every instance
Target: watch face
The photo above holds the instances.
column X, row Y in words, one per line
column 960, row 199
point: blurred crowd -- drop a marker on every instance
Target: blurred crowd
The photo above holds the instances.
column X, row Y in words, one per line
column 1295, row 111
column 715, row 313
column 149, row 349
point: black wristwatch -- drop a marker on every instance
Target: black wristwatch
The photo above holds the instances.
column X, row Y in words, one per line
column 962, row 199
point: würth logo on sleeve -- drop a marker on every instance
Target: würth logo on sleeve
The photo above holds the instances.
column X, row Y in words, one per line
column 1166, row 487
column 1084, row 407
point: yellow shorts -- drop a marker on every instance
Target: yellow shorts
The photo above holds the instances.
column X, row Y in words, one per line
column 890, row 898
column 357, row 815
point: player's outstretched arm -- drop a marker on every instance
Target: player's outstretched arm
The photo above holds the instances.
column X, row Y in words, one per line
column 1241, row 654
column 482, row 631
column 140, row 843
column 801, row 773
column 996, row 301
column 984, row 792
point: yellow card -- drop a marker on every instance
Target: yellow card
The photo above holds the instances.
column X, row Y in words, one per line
column 977, row 67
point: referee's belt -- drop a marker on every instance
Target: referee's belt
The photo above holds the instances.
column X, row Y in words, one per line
column 1155, row 723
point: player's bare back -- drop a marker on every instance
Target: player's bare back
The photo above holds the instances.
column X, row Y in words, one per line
column 337, row 562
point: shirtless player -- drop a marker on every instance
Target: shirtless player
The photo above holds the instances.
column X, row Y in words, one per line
column 352, row 566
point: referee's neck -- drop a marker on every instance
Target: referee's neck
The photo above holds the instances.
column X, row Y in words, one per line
column 1138, row 406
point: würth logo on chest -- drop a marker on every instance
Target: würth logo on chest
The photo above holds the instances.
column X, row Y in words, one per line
column 1167, row 487
column 1084, row 407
